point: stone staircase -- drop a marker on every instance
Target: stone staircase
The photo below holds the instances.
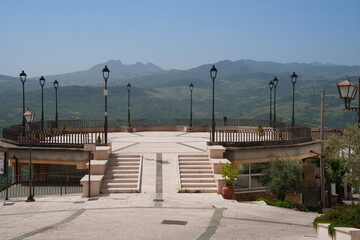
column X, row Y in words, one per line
column 196, row 174
column 123, row 174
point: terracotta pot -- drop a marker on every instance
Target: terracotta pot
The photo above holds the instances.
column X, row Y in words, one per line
column 228, row 192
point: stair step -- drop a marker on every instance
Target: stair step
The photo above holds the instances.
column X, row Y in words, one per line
column 182, row 162
column 125, row 156
column 120, row 180
column 123, row 163
column 122, row 171
column 196, row 175
column 124, row 160
column 199, row 190
column 125, row 167
column 118, row 185
column 198, row 180
column 119, row 190
column 198, row 185
column 193, row 155
column 195, row 167
column 123, row 175
column 196, row 171
column 205, row 159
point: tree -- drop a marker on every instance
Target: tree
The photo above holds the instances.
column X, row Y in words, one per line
column 283, row 176
column 346, row 149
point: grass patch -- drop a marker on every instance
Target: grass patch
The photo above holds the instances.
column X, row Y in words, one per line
column 340, row 216
column 292, row 205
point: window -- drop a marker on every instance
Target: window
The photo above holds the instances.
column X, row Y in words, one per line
column 248, row 177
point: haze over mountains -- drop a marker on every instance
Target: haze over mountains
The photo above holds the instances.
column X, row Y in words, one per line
column 241, row 91
column 152, row 75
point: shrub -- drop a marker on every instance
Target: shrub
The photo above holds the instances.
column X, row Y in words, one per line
column 283, row 176
column 340, row 216
column 98, row 140
column 64, row 127
column 286, row 204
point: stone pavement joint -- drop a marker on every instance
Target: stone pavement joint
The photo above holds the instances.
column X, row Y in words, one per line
column 66, row 220
column 214, row 223
column 159, row 181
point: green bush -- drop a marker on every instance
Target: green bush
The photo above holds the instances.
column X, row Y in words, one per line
column 340, row 216
column 286, row 204
column 283, row 176
column 98, row 141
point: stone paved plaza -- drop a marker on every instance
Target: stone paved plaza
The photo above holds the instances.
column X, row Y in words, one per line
column 152, row 214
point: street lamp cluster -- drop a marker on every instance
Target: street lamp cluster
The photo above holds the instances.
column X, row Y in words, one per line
column 42, row 84
column 272, row 85
column 29, row 118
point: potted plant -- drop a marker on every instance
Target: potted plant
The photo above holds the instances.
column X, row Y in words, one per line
column 64, row 127
column 190, row 128
column 36, row 137
column 261, row 130
column 280, row 136
column 229, row 173
column 98, row 140
column 129, row 128
column 51, row 132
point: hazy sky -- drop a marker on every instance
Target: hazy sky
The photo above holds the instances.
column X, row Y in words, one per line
column 51, row 37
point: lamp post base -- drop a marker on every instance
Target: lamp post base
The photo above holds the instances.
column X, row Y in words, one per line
column 30, row 199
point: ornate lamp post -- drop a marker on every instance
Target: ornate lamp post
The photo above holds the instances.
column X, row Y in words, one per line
column 347, row 91
column 213, row 73
column 191, row 89
column 106, row 73
column 42, row 83
column 56, row 85
column 129, row 88
column 275, row 83
column 271, row 85
column 23, row 80
column 30, row 117
column 293, row 81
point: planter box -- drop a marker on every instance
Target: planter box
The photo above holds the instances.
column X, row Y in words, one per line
column 341, row 233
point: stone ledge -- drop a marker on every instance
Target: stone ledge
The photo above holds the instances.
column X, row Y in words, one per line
column 215, row 162
column 98, row 167
column 341, row 233
column 102, row 152
column 95, row 185
column 216, row 151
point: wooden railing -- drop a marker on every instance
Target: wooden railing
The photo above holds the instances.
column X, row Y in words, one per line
column 254, row 137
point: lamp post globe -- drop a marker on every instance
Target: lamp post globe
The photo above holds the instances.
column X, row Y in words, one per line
column 271, row 85
column 56, row 85
column 129, row 88
column 213, row 73
column 275, row 83
column 106, row 73
column 191, row 86
column 42, row 83
column 347, row 92
column 23, row 80
column 30, row 117
column 293, row 81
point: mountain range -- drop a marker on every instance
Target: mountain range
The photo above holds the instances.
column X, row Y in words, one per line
column 241, row 91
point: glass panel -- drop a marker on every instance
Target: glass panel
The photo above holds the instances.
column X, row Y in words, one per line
column 258, row 167
column 352, row 91
column 244, row 168
column 255, row 182
column 242, row 182
column 344, row 90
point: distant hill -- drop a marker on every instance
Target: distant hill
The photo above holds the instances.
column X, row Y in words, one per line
column 241, row 91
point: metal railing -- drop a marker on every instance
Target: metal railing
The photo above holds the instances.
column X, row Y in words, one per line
column 156, row 122
column 255, row 137
column 42, row 184
column 54, row 138
column 315, row 134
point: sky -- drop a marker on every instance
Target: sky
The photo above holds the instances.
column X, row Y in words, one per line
column 45, row 37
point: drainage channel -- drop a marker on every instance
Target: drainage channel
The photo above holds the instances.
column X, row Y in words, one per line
column 159, row 181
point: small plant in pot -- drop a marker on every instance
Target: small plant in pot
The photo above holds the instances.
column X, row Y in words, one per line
column 261, row 130
column 129, row 128
column 36, row 137
column 229, row 173
column 98, row 140
column 280, row 136
column 190, row 128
